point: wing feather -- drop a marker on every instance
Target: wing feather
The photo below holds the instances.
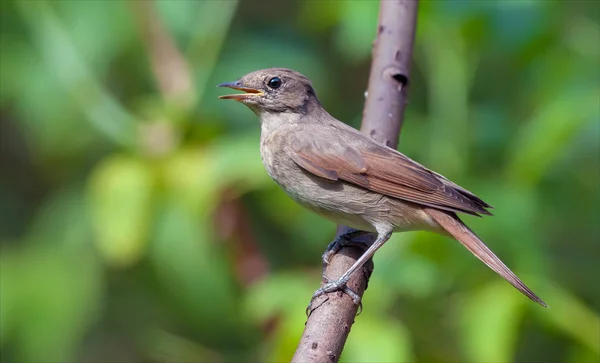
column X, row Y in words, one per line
column 383, row 170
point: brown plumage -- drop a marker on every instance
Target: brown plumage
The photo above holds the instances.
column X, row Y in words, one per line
column 341, row 174
column 386, row 171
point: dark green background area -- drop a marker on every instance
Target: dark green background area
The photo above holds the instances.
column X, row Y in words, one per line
column 138, row 223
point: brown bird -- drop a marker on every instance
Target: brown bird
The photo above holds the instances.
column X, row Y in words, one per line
column 345, row 176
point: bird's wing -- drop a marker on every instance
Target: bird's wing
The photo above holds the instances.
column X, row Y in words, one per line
column 382, row 170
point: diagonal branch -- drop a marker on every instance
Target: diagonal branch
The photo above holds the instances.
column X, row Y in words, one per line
column 169, row 66
column 332, row 315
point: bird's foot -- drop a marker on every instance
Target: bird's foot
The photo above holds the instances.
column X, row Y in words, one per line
column 338, row 285
column 333, row 286
column 341, row 241
column 333, row 248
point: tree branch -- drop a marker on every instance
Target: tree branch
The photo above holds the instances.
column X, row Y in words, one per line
column 169, row 66
column 332, row 315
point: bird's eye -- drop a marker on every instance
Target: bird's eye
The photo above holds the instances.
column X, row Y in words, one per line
column 274, row 82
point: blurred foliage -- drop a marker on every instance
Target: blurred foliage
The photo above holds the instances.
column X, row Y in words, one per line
column 138, row 223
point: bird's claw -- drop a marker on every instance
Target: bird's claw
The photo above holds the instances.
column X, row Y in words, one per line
column 332, row 286
column 333, row 248
column 339, row 242
column 343, row 240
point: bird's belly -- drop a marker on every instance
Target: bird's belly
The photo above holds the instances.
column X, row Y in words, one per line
column 335, row 212
column 337, row 201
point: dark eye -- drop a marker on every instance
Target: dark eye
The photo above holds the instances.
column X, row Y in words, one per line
column 274, row 82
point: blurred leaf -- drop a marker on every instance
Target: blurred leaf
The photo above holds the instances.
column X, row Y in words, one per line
column 571, row 316
column 10, row 294
column 163, row 346
column 237, row 161
column 516, row 22
column 120, row 202
column 392, row 342
column 195, row 273
column 402, row 270
column 357, row 28
column 96, row 44
column 59, row 294
column 508, row 232
column 548, row 132
column 283, row 296
column 490, row 323
column 50, row 123
column 583, row 36
column 60, row 231
column 286, row 337
column 55, row 45
column 190, row 180
column 179, row 16
column 282, row 293
column 309, row 228
column 62, row 220
column 208, row 35
column 318, row 16
column 195, row 177
column 580, row 354
column 448, row 69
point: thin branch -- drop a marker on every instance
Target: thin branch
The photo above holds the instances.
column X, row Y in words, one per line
column 169, row 66
column 332, row 315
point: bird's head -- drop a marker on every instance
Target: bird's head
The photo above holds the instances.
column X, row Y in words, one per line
column 273, row 90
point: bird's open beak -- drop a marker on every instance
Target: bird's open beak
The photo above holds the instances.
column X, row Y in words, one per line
column 250, row 92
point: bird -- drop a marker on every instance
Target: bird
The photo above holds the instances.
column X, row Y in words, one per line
column 345, row 176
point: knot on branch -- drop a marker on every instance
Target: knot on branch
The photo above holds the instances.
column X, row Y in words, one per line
column 397, row 75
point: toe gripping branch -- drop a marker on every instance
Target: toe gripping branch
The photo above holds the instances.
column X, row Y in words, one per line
column 349, row 238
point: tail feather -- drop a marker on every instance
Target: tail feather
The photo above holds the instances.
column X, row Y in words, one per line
column 455, row 227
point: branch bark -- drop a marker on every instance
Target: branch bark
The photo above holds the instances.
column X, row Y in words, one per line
column 332, row 315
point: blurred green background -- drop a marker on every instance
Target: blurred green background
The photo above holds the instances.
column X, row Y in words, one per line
column 138, row 223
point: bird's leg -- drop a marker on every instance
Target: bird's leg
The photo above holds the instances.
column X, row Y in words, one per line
column 340, row 284
column 340, row 241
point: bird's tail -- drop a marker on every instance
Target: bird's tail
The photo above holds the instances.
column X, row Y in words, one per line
column 455, row 227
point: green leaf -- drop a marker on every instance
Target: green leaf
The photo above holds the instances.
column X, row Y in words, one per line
column 195, row 176
column 279, row 293
column 103, row 111
column 85, row 23
column 319, row 16
column 403, row 271
column 549, row 131
column 571, row 316
column 120, row 201
column 447, row 62
column 208, row 34
column 190, row 179
column 357, row 28
column 194, row 273
column 162, row 346
column 10, row 294
column 284, row 296
column 489, row 323
column 237, row 161
column 62, row 219
column 392, row 342
column 60, row 299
